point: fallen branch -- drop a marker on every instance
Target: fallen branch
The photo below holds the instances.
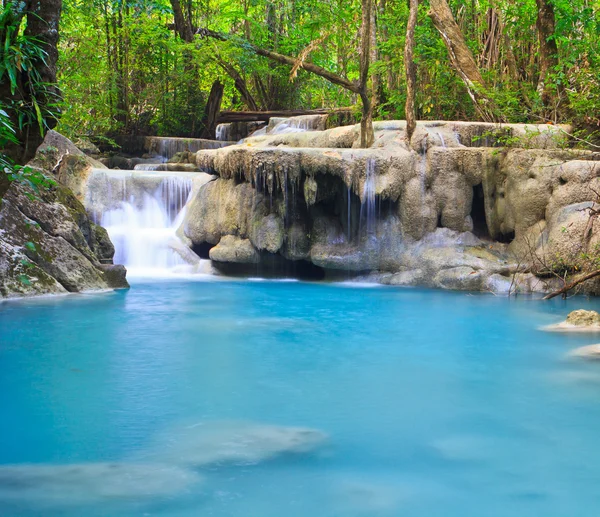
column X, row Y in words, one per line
column 564, row 290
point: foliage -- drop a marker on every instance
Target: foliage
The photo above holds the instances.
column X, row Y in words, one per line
column 31, row 102
column 124, row 69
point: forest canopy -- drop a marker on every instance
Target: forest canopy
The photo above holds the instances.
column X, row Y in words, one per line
column 148, row 66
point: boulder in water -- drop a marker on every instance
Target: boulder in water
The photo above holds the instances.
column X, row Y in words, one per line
column 89, row 483
column 587, row 352
column 231, row 442
column 578, row 321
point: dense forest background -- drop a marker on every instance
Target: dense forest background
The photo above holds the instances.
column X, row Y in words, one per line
column 126, row 67
column 148, row 66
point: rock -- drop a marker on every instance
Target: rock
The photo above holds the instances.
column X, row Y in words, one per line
column 235, row 250
column 101, row 244
column 86, row 146
column 48, row 245
column 115, row 275
column 583, row 318
column 91, row 483
column 408, row 278
column 578, row 321
column 215, row 443
column 587, row 352
column 267, row 233
column 454, row 199
column 459, row 278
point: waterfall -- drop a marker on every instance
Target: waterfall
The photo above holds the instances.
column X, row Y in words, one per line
column 150, row 167
column 224, row 132
column 442, row 139
column 300, row 124
column 141, row 212
column 169, row 147
column 367, row 207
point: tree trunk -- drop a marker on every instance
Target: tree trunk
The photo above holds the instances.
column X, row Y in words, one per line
column 367, row 135
column 43, row 17
column 545, row 25
column 240, row 85
column 183, row 25
column 462, row 58
column 212, row 110
column 411, row 72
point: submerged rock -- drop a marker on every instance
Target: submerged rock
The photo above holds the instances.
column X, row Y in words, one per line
column 227, row 442
column 89, row 483
column 587, row 352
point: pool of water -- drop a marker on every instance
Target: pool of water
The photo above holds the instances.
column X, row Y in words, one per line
column 434, row 403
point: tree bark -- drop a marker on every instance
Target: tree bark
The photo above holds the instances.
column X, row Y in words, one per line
column 545, row 24
column 240, row 84
column 579, row 280
column 183, row 25
column 212, row 110
column 43, row 17
column 462, row 58
column 367, row 135
column 411, row 70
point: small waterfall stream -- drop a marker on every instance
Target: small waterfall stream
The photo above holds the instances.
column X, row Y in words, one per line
column 141, row 212
column 367, row 208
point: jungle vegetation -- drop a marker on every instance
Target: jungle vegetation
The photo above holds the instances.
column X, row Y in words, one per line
column 163, row 66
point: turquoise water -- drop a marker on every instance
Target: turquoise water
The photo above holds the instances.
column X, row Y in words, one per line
column 435, row 403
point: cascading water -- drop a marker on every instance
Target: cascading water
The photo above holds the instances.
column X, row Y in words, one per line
column 367, row 207
column 141, row 212
column 223, row 132
column 299, row 124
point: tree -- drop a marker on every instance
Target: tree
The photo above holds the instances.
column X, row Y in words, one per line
column 361, row 88
column 545, row 24
column 411, row 72
column 28, row 89
column 462, row 58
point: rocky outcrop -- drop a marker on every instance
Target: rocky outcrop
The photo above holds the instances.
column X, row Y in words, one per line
column 578, row 321
column 468, row 206
column 47, row 242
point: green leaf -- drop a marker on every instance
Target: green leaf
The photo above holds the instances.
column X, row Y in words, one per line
column 25, row 280
column 30, row 246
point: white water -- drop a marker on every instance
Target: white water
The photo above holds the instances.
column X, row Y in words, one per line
column 298, row 124
column 142, row 212
column 367, row 208
column 223, row 132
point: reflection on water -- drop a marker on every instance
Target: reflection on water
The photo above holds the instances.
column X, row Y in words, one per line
column 264, row 399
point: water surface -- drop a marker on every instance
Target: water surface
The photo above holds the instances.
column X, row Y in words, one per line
column 436, row 403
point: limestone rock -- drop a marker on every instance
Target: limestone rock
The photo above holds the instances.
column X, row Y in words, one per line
column 448, row 205
column 578, row 321
column 267, row 233
column 235, row 250
column 461, row 278
column 49, row 245
column 583, row 318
